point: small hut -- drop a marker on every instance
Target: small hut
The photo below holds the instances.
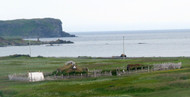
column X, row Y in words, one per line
column 70, row 68
column 123, row 56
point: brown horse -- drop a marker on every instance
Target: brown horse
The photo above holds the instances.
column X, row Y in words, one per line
column 130, row 66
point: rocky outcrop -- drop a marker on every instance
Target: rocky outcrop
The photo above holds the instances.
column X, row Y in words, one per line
column 21, row 42
column 30, row 28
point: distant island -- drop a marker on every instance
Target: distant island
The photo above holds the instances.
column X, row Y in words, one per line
column 20, row 42
column 33, row 28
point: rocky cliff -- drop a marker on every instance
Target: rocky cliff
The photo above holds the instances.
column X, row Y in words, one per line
column 47, row 27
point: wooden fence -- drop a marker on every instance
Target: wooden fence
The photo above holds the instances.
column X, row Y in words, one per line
column 100, row 73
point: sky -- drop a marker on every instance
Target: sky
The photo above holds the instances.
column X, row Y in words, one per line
column 103, row 15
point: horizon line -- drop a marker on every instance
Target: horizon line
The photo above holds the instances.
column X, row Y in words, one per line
column 130, row 30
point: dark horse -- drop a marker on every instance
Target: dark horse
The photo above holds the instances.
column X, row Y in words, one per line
column 130, row 66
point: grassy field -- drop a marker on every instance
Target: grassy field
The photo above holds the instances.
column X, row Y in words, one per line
column 171, row 83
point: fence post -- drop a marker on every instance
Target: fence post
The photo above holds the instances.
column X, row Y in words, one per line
column 62, row 76
column 54, row 76
column 123, row 71
column 136, row 69
column 141, row 68
column 118, row 72
column 151, row 69
column 148, row 69
column 94, row 73
column 129, row 70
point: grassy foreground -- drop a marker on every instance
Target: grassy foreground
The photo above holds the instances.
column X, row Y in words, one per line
column 171, row 83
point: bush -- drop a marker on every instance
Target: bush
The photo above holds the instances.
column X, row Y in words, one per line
column 114, row 72
column 58, row 73
column 1, row 94
column 18, row 55
column 40, row 56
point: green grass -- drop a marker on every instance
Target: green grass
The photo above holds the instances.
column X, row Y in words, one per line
column 171, row 83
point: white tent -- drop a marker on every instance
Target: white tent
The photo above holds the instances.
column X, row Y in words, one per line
column 35, row 76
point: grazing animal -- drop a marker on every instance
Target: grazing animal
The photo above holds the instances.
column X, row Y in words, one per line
column 130, row 66
column 85, row 69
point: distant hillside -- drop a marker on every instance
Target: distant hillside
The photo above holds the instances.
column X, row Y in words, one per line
column 47, row 27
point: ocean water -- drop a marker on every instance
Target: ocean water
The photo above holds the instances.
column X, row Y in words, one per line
column 137, row 44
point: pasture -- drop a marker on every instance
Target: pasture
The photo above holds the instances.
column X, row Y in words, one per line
column 170, row 83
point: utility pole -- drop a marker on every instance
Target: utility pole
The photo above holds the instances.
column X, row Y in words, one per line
column 123, row 54
column 123, row 45
column 29, row 47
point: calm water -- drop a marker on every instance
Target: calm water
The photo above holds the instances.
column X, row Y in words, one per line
column 110, row 44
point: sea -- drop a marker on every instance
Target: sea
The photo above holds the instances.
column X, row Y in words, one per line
column 108, row 44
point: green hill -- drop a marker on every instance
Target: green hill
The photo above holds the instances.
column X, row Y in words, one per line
column 47, row 27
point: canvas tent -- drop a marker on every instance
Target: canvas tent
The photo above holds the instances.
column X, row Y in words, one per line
column 35, row 76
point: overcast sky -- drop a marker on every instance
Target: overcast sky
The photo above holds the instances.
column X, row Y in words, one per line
column 103, row 15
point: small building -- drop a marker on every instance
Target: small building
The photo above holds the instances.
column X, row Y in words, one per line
column 123, row 55
column 70, row 68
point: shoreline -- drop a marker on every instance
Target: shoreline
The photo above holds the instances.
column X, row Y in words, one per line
column 88, row 57
column 5, row 42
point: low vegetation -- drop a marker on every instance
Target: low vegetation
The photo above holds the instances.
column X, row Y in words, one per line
column 170, row 83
